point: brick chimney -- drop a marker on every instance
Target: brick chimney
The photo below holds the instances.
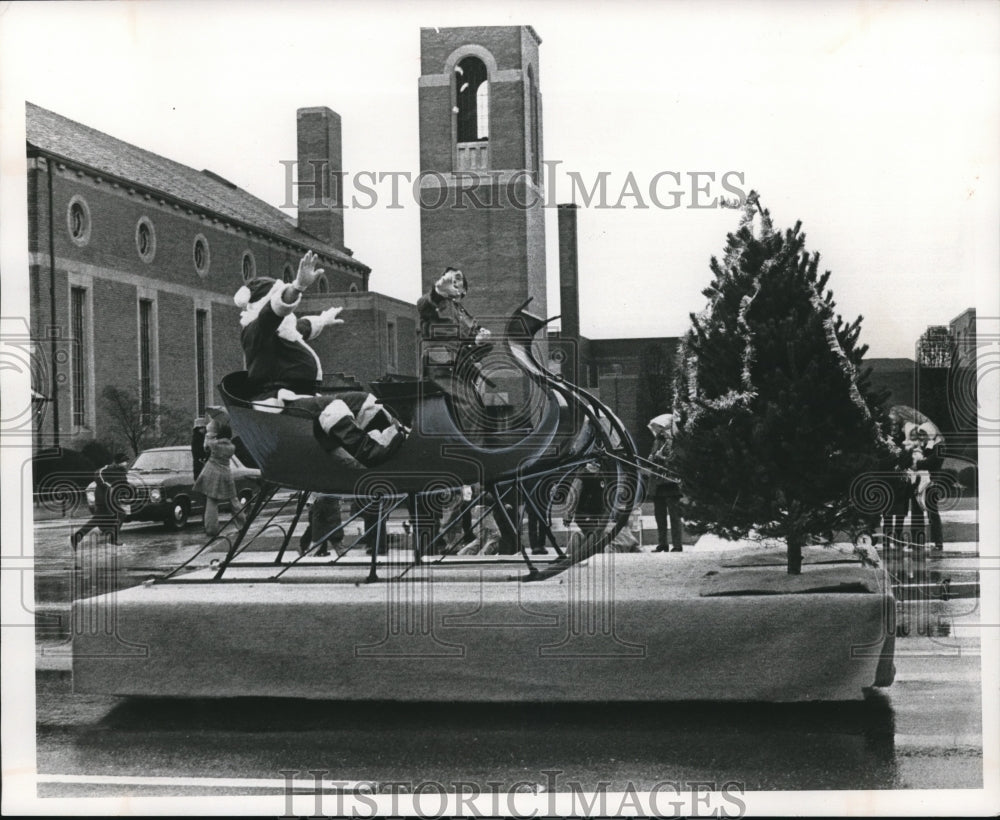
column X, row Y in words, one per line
column 320, row 175
column 569, row 284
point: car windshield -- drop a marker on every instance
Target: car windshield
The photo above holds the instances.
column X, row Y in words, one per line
column 163, row 460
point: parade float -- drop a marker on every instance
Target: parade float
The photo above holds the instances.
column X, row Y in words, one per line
column 249, row 616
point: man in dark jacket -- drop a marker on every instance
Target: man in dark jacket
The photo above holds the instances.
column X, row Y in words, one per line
column 444, row 326
column 199, row 455
column 111, row 484
column 928, row 456
column 449, row 340
column 666, row 493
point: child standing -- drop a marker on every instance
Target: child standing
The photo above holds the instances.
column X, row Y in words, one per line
column 216, row 479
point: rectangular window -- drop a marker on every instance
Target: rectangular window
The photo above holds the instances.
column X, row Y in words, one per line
column 78, row 313
column 145, row 358
column 391, row 350
column 201, row 357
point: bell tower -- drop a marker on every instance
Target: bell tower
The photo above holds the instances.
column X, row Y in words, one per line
column 481, row 187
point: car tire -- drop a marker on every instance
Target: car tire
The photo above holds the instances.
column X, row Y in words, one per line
column 177, row 518
column 246, row 495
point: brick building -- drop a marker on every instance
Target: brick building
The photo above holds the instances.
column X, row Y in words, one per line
column 134, row 260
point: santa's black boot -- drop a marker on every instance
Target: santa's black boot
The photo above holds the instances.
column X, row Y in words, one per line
column 341, row 430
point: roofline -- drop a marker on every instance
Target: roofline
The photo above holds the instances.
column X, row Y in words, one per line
column 34, row 150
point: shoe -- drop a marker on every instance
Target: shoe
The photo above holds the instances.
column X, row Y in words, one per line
column 324, row 550
column 677, row 549
column 539, row 551
column 660, row 548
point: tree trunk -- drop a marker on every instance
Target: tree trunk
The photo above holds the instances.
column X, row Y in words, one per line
column 794, row 555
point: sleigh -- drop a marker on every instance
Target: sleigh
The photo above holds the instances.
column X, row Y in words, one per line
column 495, row 420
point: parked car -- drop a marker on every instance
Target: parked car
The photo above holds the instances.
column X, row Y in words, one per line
column 161, row 481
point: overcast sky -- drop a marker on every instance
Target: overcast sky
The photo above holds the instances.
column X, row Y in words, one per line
column 876, row 124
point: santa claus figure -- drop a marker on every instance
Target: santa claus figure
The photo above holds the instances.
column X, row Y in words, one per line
column 284, row 371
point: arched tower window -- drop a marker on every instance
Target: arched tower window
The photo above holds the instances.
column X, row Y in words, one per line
column 472, row 100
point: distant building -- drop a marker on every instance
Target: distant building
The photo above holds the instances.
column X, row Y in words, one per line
column 134, row 260
column 935, row 346
column 963, row 331
column 940, row 381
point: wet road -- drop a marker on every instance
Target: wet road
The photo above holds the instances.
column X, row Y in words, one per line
column 923, row 732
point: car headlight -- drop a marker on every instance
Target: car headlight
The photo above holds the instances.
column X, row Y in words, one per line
column 155, row 496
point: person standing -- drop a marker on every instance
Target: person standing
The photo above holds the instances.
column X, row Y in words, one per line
column 199, row 455
column 326, row 523
column 587, row 506
column 927, row 461
column 900, row 489
column 216, row 479
column 666, row 492
column 111, row 481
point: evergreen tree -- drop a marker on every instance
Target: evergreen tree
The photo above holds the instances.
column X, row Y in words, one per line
column 775, row 422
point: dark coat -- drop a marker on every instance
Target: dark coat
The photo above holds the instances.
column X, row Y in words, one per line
column 109, row 481
column 275, row 362
column 198, row 452
column 661, row 453
column 899, row 482
column 441, row 318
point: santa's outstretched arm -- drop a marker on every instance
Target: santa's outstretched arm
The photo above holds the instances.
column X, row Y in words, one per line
column 311, row 326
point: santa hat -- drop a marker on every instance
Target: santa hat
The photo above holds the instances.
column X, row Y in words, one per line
column 253, row 291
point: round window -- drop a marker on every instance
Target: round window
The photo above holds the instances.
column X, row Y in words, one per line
column 201, row 256
column 249, row 266
column 145, row 239
column 78, row 220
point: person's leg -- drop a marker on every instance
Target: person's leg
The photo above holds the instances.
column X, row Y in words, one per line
column 114, row 527
column 676, row 525
column 373, row 538
column 239, row 516
column 324, row 520
column 211, row 517
column 336, row 426
column 934, row 517
column 536, row 533
column 468, row 534
column 78, row 536
column 660, row 514
column 917, row 535
column 305, row 540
